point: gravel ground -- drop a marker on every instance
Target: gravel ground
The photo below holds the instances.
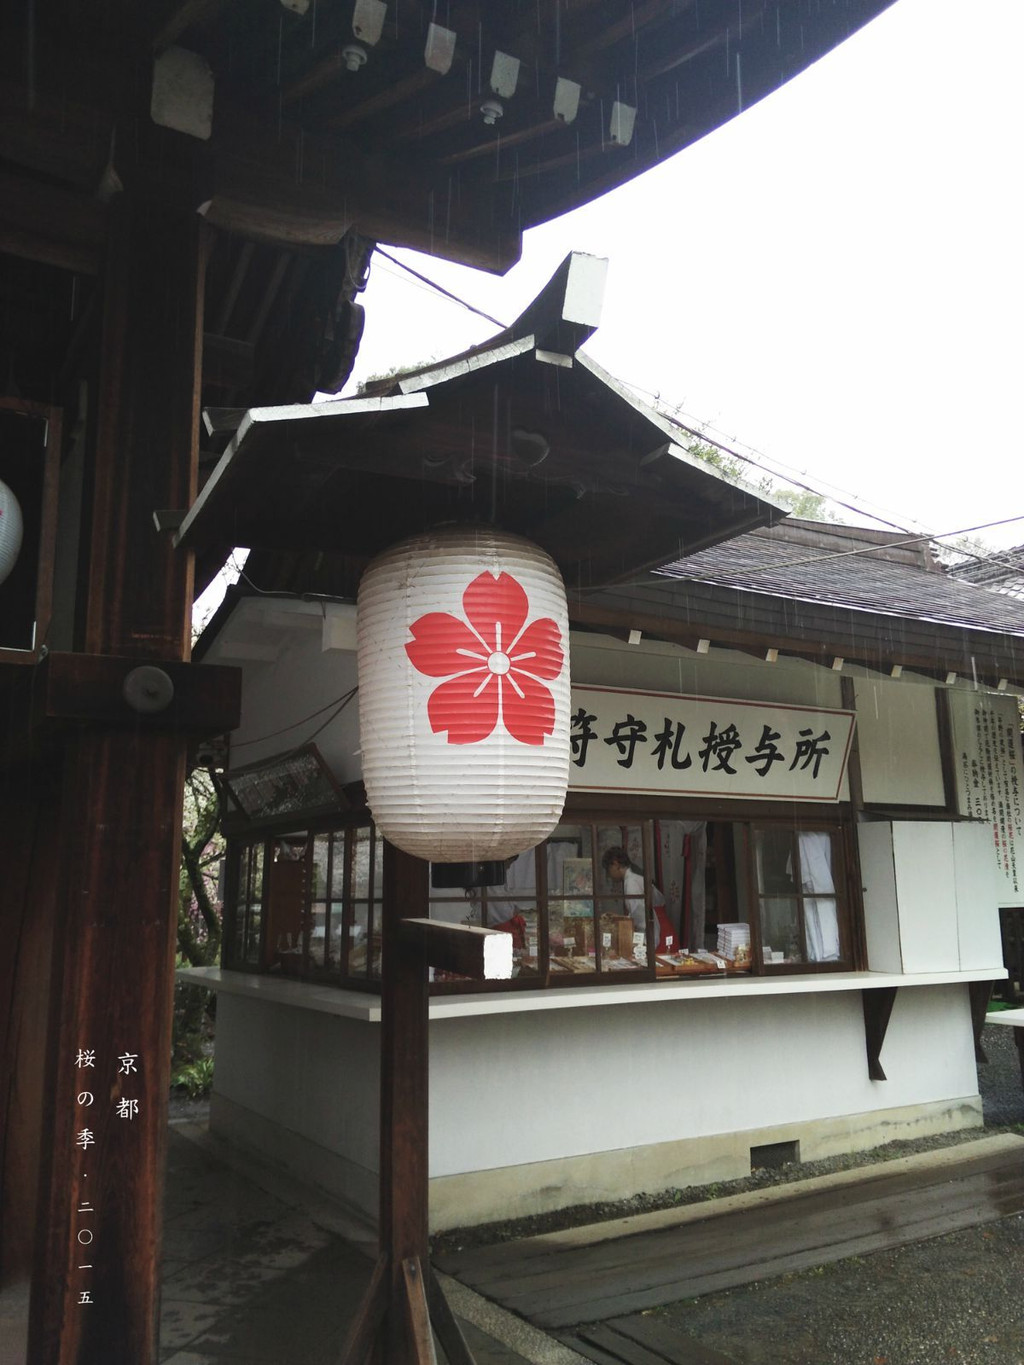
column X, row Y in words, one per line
column 954, row 1298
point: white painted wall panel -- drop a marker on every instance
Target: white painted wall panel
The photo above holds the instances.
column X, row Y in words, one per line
column 291, row 691
column 881, row 912
column 977, row 896
column 930, row 896
column 926, row 894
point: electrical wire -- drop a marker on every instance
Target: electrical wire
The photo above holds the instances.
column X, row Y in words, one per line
column 771, row 470
column 309, row 738
column 702, row 434
column 339, row 702
column 875, row 549
column 440, row 288
column 776, row 470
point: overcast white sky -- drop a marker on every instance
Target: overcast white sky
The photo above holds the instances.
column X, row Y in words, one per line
column 833, row 278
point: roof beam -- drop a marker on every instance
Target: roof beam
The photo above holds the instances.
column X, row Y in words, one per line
column 876, row 646
column 285, row 187
column 270, row 184
column 51, row 225
column 181, row 18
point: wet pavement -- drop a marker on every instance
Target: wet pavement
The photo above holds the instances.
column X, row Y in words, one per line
column 261, row 1271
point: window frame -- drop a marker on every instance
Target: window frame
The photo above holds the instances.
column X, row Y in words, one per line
column 240, row 854
column 594, row 814
column 841, row 881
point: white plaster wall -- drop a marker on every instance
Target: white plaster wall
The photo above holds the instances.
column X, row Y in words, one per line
column 514, row 1089
column 313, row 1074
column 534, row 1111
column 655, row 666
column 508, row 1090
column 977, row 895
column 899, row 742
column 298, row 682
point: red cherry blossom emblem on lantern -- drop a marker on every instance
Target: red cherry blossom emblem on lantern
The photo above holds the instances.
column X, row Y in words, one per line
column 495, row 663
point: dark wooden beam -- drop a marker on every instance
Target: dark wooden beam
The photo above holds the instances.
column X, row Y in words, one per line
column 286, row 186
column 449, row 1333
column 363, row 1329
column 181, row 17
column 878, row 1002
column 817, row 631
column 268, row 181
column 417, row 1314
column 63, row 140
column 91, row 687
column 484, row 954
column 516, row 139
column 947, row 752
column 393, row 1322
column 384, row 99
column 848, row 695
column 227, row 362
column 118, row 837
column 28, row 816
column 45, row 223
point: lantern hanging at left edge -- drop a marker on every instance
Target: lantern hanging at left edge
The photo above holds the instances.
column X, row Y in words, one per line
column 10, row 530
column 463, row 653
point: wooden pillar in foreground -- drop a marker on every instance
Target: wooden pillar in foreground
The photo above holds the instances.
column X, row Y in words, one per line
column 95, row 1291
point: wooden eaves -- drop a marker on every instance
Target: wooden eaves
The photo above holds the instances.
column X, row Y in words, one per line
column 525, row 431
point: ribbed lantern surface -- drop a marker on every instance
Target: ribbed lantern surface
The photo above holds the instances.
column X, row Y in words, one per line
column 10, row 530
column 463, row 653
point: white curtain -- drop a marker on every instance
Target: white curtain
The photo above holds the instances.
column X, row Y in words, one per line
column 821, row 916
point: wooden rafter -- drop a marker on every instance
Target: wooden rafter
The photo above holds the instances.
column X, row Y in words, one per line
column 181, row 18
column 393, row 94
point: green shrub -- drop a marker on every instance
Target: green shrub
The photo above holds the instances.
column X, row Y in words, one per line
column 195, row 1078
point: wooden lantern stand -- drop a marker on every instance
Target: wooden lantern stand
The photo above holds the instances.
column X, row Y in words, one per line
column 404, row 1304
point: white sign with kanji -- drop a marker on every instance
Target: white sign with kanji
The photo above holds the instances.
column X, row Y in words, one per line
column 990, row 777
column 661, row 743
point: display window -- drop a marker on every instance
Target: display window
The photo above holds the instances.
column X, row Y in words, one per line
column 604, row 898
column 245, row 909
column 307, row 904
column 798, row 907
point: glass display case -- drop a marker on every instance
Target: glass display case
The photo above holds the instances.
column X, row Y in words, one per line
column 603, row 899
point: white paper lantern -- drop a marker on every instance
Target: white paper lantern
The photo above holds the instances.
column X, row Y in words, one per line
column 463, row 647
column 10, row 530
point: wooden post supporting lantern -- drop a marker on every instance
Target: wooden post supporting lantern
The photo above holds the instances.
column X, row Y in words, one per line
column 464, row 719
column 404, row 1300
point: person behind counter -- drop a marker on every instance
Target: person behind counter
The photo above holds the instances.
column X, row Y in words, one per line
column 616, row 863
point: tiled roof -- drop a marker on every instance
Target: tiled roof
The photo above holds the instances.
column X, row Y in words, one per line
column 811, row 561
